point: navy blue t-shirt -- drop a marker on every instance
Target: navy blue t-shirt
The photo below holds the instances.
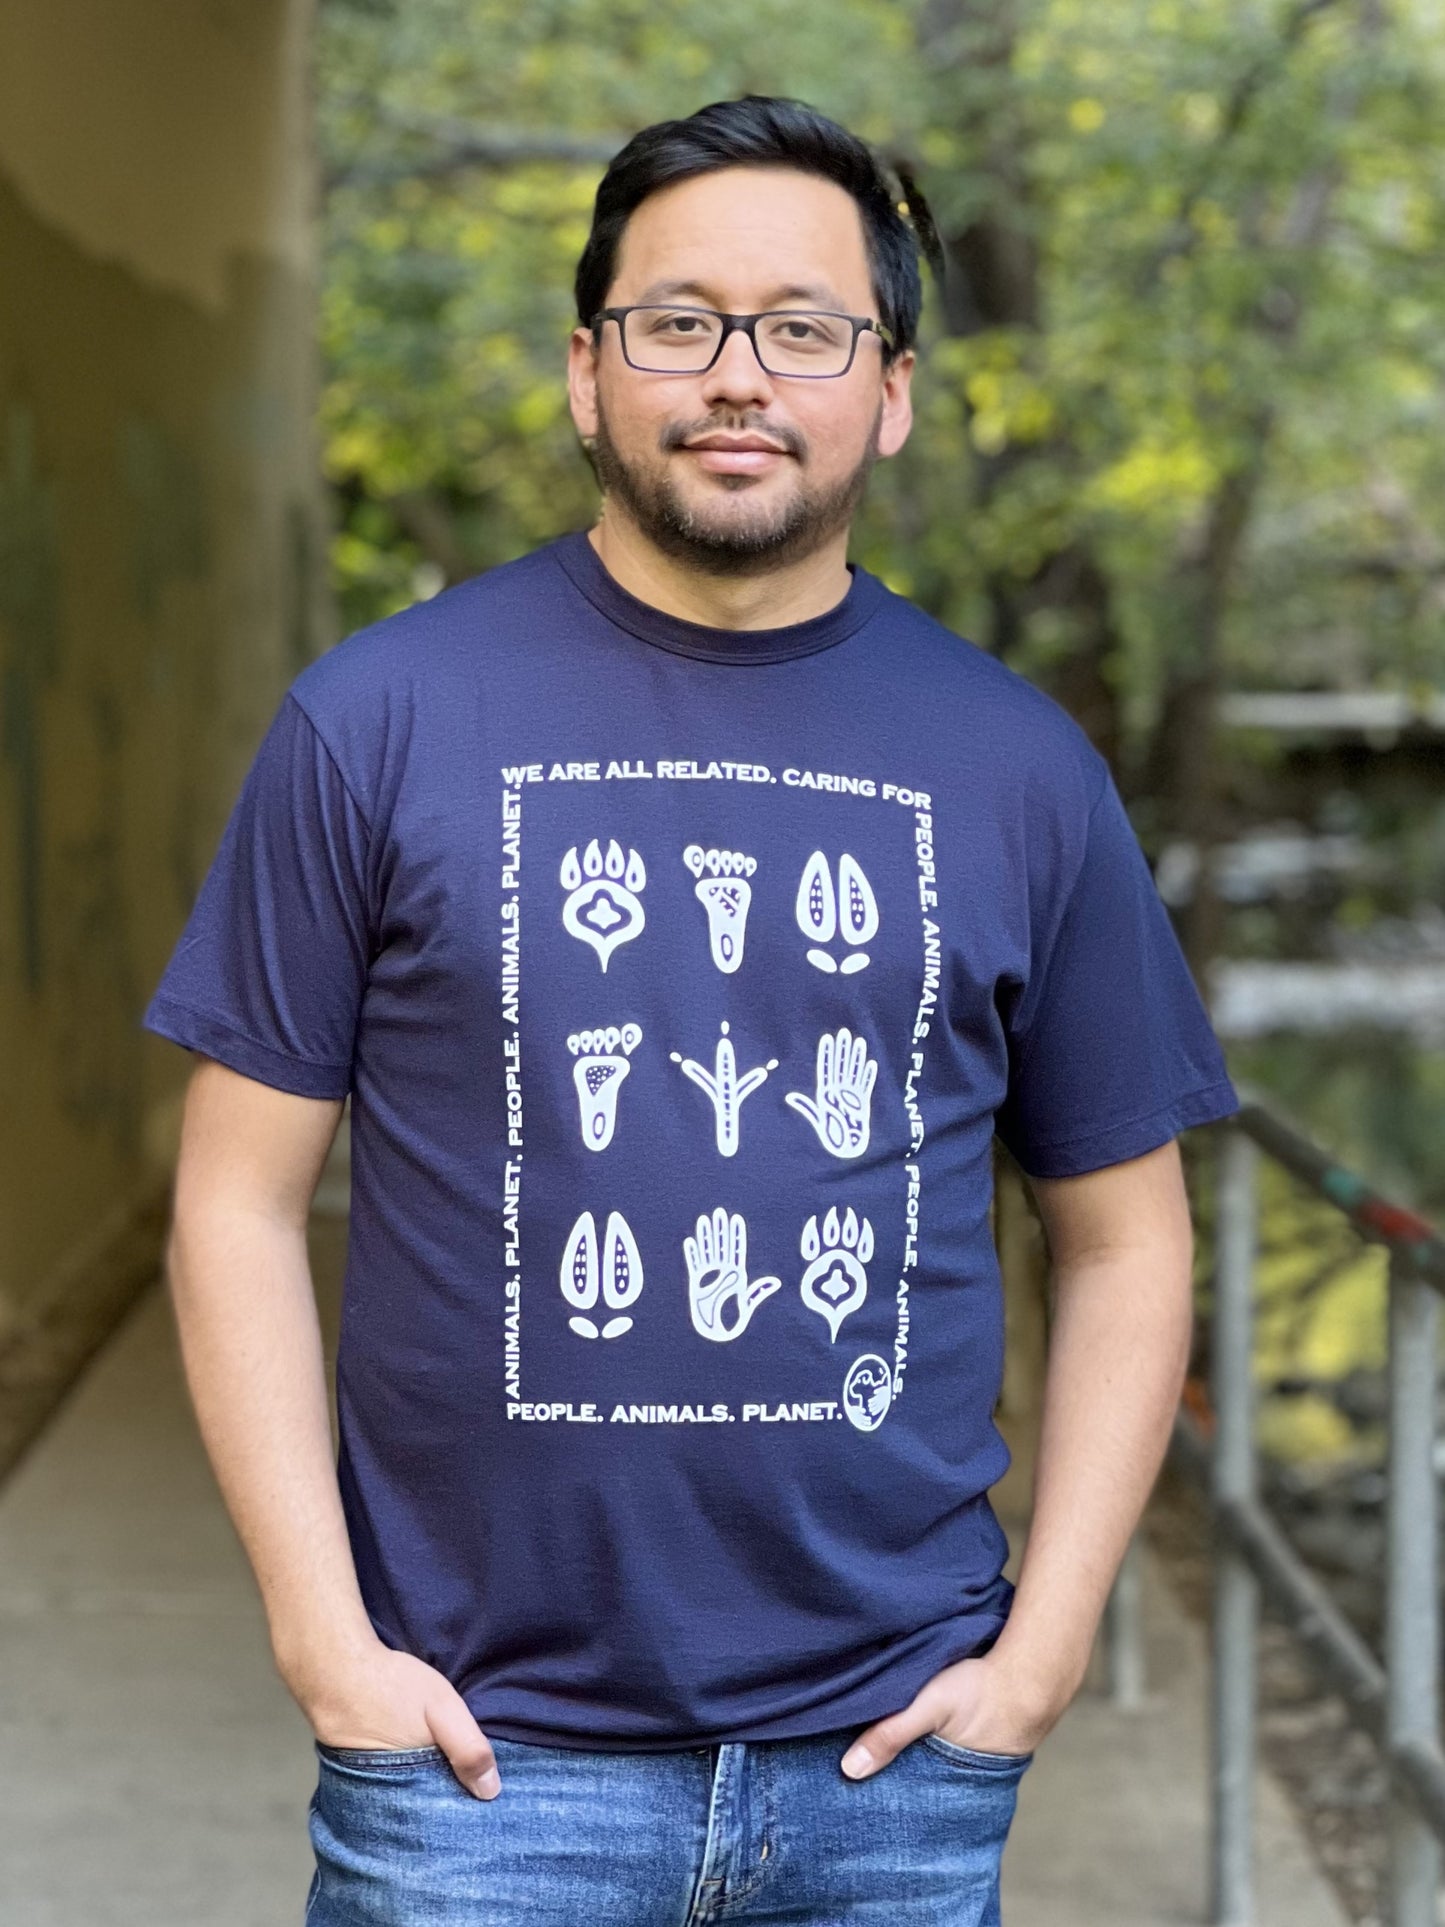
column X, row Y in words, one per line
column 680, row 979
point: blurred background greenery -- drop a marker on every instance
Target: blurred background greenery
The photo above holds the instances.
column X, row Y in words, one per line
column 1177, row 451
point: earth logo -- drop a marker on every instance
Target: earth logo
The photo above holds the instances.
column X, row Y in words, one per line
column 868, row 1391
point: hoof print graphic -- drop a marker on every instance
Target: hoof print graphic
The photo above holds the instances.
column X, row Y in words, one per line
column 868, row 1391
column 720, row 1296
column 614, row 1273
column 850, row 911
column 603, row 905
column 835, row 1281
column 598, row 1075
column 723, row 890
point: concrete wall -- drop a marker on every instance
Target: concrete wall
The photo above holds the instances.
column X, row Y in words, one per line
column 162, row 552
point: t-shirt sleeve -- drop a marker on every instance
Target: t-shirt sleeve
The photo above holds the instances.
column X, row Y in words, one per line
column 1111, row 1050
column 269, row 972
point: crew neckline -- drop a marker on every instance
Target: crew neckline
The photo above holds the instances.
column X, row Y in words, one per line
column 588, row 573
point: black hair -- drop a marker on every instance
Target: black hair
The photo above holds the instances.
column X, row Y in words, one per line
column 760, row 130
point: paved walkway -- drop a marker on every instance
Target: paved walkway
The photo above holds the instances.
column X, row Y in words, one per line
column 1112, row 1827
column 154, row 1772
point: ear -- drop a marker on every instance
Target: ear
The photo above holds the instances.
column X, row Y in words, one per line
column 897, row 416
column 582, row 381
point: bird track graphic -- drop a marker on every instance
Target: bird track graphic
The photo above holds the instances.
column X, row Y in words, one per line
column 723, row 890
column 717, row 1277
column 614, row 1273
column 840, row 1107
column 598, row 1075
column 603, row 905
column 724, row 1087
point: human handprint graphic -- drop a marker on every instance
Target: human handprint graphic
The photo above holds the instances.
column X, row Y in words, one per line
column 717, row 1277
column 840, row 1107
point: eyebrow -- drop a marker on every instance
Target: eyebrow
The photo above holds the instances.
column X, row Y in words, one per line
column 816, row 293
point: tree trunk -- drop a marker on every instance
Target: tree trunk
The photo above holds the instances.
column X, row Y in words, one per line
column 991, row 280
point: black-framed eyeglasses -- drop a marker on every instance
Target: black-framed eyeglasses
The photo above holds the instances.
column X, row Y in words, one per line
column 807, row 344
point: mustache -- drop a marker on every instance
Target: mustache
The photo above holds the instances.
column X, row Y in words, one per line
column 786, row 438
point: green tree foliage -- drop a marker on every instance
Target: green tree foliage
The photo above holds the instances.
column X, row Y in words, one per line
column 447, row 296
column 1192, row 345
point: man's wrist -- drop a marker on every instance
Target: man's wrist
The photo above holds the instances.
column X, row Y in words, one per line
column 1041, row 1675
column 311, row 1654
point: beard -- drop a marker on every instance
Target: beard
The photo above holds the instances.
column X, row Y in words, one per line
column 718, row 540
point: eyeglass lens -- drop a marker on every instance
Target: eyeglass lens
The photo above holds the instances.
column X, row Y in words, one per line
column 683, row 341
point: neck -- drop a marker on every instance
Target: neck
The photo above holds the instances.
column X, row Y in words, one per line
column 792, row 592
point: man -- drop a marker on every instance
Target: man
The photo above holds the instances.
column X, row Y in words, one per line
column 683, row 913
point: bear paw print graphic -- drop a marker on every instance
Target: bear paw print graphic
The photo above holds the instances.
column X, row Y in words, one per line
column 835, row 1282
column 603, row 905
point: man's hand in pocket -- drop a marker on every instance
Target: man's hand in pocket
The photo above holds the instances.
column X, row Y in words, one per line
column 376, row 1698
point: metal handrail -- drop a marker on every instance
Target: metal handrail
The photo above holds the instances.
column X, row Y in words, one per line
column 1373, row 1215
column 1399, row 1703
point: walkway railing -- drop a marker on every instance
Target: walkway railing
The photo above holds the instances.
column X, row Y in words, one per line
column 1397, row 1703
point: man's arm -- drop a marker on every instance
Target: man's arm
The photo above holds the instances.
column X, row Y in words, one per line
column 240, row 1281
column 1122, row 1249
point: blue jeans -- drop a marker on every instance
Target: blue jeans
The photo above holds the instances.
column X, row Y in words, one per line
column 767, row 1833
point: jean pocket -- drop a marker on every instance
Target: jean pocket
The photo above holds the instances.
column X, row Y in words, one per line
column 970, row 1756
column 379, row 1759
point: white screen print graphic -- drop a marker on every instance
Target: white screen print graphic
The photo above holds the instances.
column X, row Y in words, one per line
column 835, row 1282
column 723, row 890
column 835, row 908
column 598, row 1075
column 720, row 1295
column 840, row 1108
column 868, row 1391
column 614, row 1274
column 724, row 1087
column 603, row 905
column 849, row 911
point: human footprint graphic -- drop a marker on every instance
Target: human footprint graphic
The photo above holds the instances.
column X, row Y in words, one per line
column 615, row 1273
column 603, row 907
column 598, row 1075
column 717, row 1277
column 839, row 1109
column 723, row 890
column 835, row 1282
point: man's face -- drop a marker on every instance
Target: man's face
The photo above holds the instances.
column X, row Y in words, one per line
column 736, row 471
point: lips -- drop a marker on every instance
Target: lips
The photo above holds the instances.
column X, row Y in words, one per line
column 736, row 444
column 735, row 454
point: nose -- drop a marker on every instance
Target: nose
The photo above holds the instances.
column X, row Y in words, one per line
column 737, row 376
